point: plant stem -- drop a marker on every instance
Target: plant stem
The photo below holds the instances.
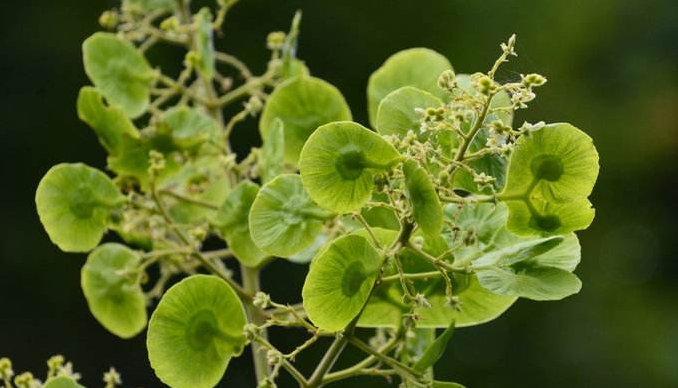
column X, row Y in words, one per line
column 328, row 360
column 390, row 361
column 438, row 263
column 411, row 276
column 250, row 281
column 190, row 200
column 468, row 138
column 244, row 295
column 367, row 362
column 235, row 62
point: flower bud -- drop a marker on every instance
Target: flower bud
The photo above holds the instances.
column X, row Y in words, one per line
column 109, row 19
column 275, row 40
column 447, row 80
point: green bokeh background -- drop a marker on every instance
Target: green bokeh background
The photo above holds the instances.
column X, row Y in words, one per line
column 612, row 67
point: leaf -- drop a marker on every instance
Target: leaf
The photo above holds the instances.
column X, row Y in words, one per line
column 232, row 222
column 110, row 123
column 195, row 330
column 426, row 208
column 283, row 219
column 418, row 67
column 204, row 44
column 74, row 203
column 339, row 282
column 307, row 254
column 272, row 152
column 532, row 282
column 397, row 113
column 338, row 164
column 111, row 283
column 540, row 217
column 61, row 382
column 204, row 180
column 303, row 104
column 559, row 158
column 120, row 71
column 435, row 350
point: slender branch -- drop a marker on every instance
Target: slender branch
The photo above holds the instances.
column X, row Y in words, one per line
column 438, row 263
column 187, row 199
column 240, row 116
column 293, row 354
column 473, row 199
column 221, row 13
column 250, row 280
column 411, row 276
column 328, row 360
column 234, row 62
column 243, row 90
column 285, row 363
column 359, row 217
column 390, row 361
column 218, row 254
column 295, row 373
column 365, row 363
column 468, row 138
column 245, row 295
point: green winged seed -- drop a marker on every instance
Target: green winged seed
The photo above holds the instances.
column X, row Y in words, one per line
column 397, row 113
column 426, row 207
column 559, row 159
column 61, row 382
column 189, row 128
column 110, row 123
column 481, row 219
column 339, row 282
column 120, row 71
column 202, row 179
column 338, row 164
column 303, row 104
column 283, row 219
column 418, row 67
column 539, row 217
column 74, row 203
column 195, row 331
column 111, row 283
column 232, row 222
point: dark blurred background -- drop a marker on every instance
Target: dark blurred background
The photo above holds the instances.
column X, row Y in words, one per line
column 612, row 67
